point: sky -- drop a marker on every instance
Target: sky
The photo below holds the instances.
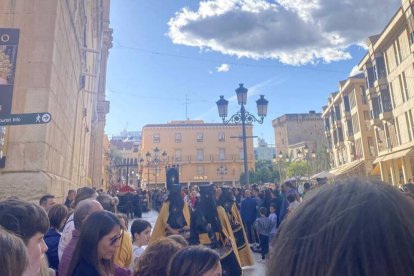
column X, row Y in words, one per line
column 172, row 59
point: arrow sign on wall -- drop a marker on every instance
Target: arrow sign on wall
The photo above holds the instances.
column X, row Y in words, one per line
column 25, row 119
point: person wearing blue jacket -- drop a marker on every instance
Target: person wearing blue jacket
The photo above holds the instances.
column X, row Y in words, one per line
column 248, row 212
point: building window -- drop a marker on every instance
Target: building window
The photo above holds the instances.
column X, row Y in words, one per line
column 200, row 170
column 221, row 137
column 200, row 155
column 177, row 155
column 241, row 154
column 178, row 137
column 222, row 154
column 200, row 137
column 136, row 148
column 156, row 138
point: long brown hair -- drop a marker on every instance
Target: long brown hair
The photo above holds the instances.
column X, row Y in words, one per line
column 96, row 226
column 352, row 228
column 13, row 254
column 193, row 261
column 154, row 260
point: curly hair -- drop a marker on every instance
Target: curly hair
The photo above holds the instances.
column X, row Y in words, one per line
column 149, row 262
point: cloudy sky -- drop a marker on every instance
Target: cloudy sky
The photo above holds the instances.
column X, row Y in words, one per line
column 171, row 60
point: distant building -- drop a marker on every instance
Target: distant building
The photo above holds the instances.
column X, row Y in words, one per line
column 205, row 152
column 295, row 131
column 349, row 135
column 264, row 151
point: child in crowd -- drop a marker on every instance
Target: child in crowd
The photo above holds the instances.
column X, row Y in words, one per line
column 273, row 221
column 263, row 227
column 293, row 203
column 141, row 232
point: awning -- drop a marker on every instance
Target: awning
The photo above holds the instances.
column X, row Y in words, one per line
column 395, row 155
column 347, row 167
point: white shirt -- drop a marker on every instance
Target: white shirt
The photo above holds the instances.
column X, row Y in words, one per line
column 66, row 236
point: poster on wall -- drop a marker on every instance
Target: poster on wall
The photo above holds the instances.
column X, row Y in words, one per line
column 9, row 40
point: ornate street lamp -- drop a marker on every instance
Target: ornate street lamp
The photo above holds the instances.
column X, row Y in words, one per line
column 243, row 116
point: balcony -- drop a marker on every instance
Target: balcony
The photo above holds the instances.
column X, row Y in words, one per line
column 386, row 116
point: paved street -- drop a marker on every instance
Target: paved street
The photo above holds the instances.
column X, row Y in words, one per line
column 257, row 270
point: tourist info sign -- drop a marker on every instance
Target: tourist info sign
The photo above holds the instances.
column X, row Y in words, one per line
column 25, row 119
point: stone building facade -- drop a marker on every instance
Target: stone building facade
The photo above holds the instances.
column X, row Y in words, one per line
column 60, row 69
column 205, row 152
column 349, row 135
column 294, row 131
column 389, row 72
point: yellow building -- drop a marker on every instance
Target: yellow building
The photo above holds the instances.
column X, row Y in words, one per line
column 349, row 135
column 205, row 152
column 389, row 73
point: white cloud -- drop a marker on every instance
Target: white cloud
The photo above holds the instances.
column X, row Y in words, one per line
column 223, row 68
column 291, row 31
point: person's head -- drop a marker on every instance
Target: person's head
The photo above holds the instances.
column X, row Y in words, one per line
column 291, row 198
column 140, row 232
column 83, row 210
column 195, row 261
column 262, row 211
column 29, row 222
column 84, row 193
column 148, row 263
column 57, row 215
column 47, row 201
column 247, row 193
column 71, row 195
column 108, row 202
column 306, row 186
column 98, row 241
column 352, row 227
column 272, row 208
column 13, row 254
column 123, row 219
column 179, row 239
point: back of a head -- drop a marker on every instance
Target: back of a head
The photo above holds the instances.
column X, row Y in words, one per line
column 108, row 202
column 23, row 218
column 57, row 213
column 352, row 228
column 193, row 261
column 84, row 193
column 149, row 262
column 84, row 209
column 13, row 254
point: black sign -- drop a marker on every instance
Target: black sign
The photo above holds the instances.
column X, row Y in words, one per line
column 25, row 119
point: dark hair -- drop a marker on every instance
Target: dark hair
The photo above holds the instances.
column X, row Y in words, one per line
column 57, row 213
column 353, row 228
column 262, row 210
column 306, row 186
column 290, row 197
column 273, row 206
column 138, row 226
column 193, row 261
column 23, row 218
column 108, row 202
column 179, row 239
column 83, row 193
column 44, row 199
column 148, row 263
column 96, row 226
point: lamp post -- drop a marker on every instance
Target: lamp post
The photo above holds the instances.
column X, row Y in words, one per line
column 141, row 168
column 155, row 161
column 243, row 117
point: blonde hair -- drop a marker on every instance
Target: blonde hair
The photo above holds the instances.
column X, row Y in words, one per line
column 13, row 254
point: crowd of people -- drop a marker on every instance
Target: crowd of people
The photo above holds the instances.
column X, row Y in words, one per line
column 355, row 227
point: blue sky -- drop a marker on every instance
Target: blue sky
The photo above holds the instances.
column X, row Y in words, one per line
column 292, row 51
